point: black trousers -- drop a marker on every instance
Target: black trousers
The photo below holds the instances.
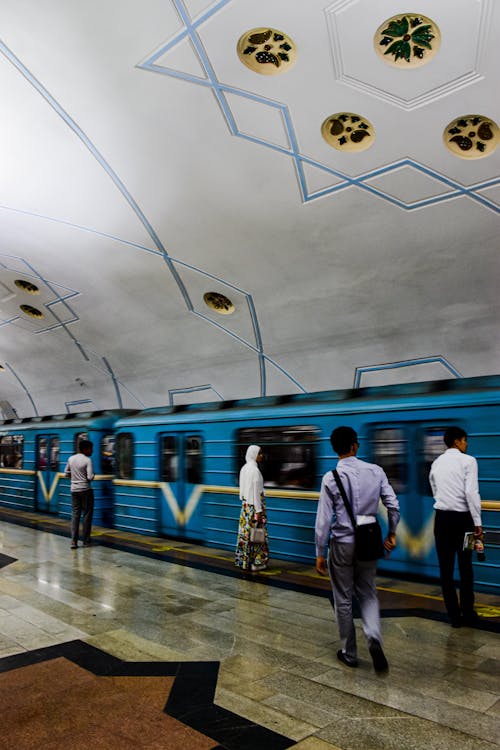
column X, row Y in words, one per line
column 449, row 529
column 82, row 502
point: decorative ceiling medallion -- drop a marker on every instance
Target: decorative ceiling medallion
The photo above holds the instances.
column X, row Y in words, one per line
column 32, row 312
column 407, row 41
column 219, row 303
column 267, row 51
column 27, row 286
column 346, row 131
column 471, row 136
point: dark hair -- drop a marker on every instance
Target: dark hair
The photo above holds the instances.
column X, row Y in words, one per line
column 453, row 433
column 85, row 445
column 342, row 439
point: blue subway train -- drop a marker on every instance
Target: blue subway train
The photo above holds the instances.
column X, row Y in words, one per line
column 173, row 471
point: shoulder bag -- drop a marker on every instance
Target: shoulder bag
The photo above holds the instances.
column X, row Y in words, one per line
column 368, row 536
column 257, row 535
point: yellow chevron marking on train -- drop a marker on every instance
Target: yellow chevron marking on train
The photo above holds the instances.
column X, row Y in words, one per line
column 418, row 545
column 49, row 494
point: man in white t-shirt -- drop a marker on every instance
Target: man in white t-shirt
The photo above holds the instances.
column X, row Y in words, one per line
column 79, row 468
column 454, row 482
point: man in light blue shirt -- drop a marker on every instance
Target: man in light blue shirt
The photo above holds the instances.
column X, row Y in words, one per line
column 365, row 485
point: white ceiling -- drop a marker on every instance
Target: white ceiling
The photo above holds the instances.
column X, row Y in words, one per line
column 143, row 165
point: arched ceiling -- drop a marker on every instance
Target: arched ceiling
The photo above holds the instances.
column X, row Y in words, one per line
column 144, row 165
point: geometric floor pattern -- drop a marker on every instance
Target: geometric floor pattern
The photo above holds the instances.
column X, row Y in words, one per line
column 100, row 647
column 73, row 695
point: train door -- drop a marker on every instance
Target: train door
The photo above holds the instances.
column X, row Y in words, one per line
column 180, row 475
column 47, row 470
column 406, row 451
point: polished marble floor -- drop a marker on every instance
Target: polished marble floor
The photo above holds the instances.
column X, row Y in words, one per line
column 275, row 648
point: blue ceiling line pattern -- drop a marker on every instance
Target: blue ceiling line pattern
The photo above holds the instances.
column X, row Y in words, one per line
column 81, row 228
column 64, row 325
column 73, row 125
column 16, row 62
column 457, row 190
column 190, row 31
column 79, row 402
column 108, row 371
column 258, row 349
column 14, row 373
column 172, row 392
column 439, row 359
column 58, row 298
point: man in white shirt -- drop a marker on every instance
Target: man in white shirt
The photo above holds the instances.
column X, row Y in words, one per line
column 454, row 482
column 79, row 468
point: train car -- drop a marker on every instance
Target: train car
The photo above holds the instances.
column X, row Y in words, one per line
column 177, row 467
column 33, row 455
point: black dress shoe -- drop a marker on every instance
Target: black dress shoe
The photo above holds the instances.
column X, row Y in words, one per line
column 471, row 620
column 456, row 622
column 380, row 663
column 347, row 660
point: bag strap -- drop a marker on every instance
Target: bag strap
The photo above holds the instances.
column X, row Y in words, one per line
column 342, row 491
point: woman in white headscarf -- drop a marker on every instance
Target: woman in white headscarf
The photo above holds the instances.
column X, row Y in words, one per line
column 252, row 555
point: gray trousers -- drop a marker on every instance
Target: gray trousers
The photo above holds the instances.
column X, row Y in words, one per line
column 82, row 502
column 353, row 577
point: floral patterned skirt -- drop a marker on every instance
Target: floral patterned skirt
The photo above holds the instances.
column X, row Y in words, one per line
column 251, row 556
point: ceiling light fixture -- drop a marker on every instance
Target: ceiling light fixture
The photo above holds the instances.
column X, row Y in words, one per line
column 471, row 136
column 218, row 302
column 32, row 312
column 27, row 286
column 266, row 51
column 409, row 40
column 347, row 131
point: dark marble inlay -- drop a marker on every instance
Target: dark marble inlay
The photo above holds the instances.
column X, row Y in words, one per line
column 191, row 699
column 6, row 560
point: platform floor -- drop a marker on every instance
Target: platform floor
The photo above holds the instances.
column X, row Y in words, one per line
column 137, row 643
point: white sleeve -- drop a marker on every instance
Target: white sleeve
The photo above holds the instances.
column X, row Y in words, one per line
column 472, row 491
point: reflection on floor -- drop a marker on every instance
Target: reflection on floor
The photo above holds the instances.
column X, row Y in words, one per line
column 241, row 664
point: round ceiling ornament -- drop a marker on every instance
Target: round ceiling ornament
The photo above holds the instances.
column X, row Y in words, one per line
column 472, row 136
column 267, row 51
column 27, row 286
column 407, row 41
column 218, row 302
column 32, row 312
column 347, row 131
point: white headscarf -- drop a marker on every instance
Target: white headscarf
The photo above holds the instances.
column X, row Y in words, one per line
column 251, row 481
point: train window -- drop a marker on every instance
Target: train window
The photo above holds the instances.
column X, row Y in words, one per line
column 193, row 459
column 79, row 436
column 169, row 458
column 289, row 454
column 108, row 454
column 389, row 449
column 432, row 446
column 41, row 456
column 125, row 455
column 11, row 451
column 54, row 454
